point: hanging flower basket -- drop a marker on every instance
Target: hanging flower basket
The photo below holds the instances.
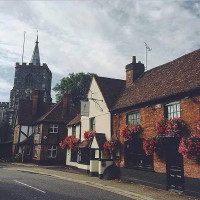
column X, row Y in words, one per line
column 129, row 132
column 88, row 135
column 190, row 147
column 171, row 128
column 198, row 124
column 62, row 144
column 111, row 147
column 154, row 145
column 70, row 142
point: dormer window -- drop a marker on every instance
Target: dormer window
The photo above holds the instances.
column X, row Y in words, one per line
column 172, row 110
column 53, row 128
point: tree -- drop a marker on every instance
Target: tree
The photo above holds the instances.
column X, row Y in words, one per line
column 78, row 84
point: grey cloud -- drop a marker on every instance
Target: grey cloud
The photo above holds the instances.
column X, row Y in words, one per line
column 98, row 36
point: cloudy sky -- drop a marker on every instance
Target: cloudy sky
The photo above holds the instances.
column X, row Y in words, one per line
column 95, row 36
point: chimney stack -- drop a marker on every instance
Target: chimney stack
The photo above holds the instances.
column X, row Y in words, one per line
column 133, row 71
column 67, row 104
column 38, row 99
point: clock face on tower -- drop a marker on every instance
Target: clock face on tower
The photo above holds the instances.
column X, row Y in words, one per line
column 28, row 91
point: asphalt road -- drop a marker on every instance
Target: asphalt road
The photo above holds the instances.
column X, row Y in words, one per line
column 16, row 185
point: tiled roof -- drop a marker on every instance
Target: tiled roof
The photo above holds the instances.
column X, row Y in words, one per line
column 75, row 121
column 55, row 115
column 25, row 116
column 101, row 139
column 175, row 77
column 110, row 88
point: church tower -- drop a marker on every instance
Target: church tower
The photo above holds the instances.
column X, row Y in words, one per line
column 30, row 77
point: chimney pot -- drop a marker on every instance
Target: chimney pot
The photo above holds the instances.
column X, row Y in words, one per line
column 134, row 59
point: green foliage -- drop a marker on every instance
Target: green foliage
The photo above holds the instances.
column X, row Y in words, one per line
column 78, row 84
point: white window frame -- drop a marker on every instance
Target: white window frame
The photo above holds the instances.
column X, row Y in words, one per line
column 35, row 151
column 74, row 130
column 54, row 128
column 51, row 149
column 173, row 110
column 137, row 120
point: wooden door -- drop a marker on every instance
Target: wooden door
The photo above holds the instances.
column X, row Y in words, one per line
column 174, row 166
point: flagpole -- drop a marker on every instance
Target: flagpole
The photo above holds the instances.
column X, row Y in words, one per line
column 23, row 48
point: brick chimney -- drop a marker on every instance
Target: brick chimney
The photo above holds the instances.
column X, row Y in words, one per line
column 133, row 71
column 67, row 104
column 38, row 99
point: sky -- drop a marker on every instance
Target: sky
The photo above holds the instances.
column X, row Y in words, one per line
column 95, row 36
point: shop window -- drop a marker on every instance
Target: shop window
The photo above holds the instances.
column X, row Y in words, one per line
column 74, row 153
column 172, row 110
column 135, row 156
column 84, row 156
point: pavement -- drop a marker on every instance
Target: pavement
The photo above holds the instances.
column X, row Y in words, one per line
column 130, row 190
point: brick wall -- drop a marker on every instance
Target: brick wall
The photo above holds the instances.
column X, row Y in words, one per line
column 190, row 112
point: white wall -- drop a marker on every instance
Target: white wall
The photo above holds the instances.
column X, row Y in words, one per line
column 102, row 117
column 77, row 130
column 68, row 152
column 68, row 158
column 25, row 130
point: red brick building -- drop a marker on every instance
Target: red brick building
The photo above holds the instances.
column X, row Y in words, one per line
column 167, row 91
column 40, row 127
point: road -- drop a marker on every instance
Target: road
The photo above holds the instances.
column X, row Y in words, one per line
column 16, row 185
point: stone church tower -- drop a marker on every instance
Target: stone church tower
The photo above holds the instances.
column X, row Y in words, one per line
column 30, row 77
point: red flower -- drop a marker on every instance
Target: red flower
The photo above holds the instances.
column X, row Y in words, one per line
column 130, row 131
column 190, row 147
column 110, row 147
column 88, row 135
column 175, row 127
column 151, row 145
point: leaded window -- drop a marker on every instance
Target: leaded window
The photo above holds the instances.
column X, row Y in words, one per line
column 172, row 110
column 133, row 118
